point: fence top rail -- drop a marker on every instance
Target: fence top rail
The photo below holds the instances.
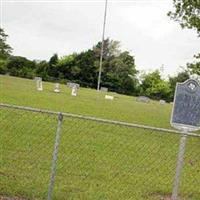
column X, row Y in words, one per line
column 107, row 121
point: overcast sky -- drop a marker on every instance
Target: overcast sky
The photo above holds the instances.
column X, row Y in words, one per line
column 37, row 29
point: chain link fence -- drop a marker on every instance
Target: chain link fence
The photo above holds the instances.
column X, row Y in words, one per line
column 48, row 155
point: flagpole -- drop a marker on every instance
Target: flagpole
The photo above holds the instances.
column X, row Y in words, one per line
column 102, row 46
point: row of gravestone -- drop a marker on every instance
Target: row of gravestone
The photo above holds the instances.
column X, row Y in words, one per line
column 74, row 88
column 186, row 108
column 145, row 99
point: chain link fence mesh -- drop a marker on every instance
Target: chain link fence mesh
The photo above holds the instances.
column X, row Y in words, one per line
column 27, row 140
column 96, row 160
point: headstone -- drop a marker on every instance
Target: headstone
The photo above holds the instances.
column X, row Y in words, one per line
column 143, row 99
column 71, row 85
column 108, row 97
column 57, row 88
column 104, row 89
column 162, row 102
column 39, row 83
column 37, row 78
column 186, row 109
column 74, row 91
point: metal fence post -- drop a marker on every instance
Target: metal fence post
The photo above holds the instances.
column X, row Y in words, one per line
column 179, row 166
column 55, row 156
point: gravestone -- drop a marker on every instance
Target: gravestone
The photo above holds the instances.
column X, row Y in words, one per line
column 39, row 83
column 57, row 88
column 71, row 85
column 143, row 99
column 74, row 90
column 108, row 97
column 186, row 108
column 104, row 89
column 162, row 102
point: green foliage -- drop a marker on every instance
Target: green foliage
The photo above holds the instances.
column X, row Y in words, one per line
column 119, row 73
column 3, row 63
column 179, row 78
column 154, row 86
column 52, row 67
column 187, row 13
column 195, row 66
column 20, row 66
column 111, row 48
column 5, row 49
column 41, row 69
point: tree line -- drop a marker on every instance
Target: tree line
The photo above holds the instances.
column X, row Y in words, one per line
column 119, row 72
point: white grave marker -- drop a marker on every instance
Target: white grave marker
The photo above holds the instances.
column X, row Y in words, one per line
column 108, row 97
column 162, row 102
column 57, row 88
column 39, row 84
column 74, row 91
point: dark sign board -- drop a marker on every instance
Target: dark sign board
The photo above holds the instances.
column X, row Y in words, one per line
column 186, row 109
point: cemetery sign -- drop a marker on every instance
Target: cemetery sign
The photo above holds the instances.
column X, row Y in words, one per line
column 186, row 109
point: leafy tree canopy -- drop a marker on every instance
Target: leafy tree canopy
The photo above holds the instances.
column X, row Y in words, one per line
column 194, row 67
column 5, row 49
column 187, row 13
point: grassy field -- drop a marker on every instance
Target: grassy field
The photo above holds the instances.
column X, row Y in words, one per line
column 96, row 161
column 125, row 108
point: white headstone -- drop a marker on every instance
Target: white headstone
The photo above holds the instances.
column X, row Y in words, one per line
column 104, row 89
column 162, row 102
column 39, row 83
column 71, row 85
column 57, row 88
column 108, row 97
column 143, row 99
column 74, row 91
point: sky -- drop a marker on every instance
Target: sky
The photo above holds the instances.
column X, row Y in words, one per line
column 39, row 28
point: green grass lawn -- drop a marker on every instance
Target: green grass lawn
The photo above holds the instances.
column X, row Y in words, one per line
column 96, row 161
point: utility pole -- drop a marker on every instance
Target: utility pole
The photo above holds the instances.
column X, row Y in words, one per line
column 102, row 46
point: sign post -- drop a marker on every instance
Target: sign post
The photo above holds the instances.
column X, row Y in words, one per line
column 185, row 117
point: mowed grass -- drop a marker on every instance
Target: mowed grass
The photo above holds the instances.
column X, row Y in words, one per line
column 96, row 161
column 23, row 92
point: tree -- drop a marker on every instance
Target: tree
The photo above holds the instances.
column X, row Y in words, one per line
column 85, row 68
column 110, row 49
column 154, row 86
column 52, row 68
column 5, row 49
column 119, row 74
column 187, row 13
column 65, row 65
column 179, row 78
column 194, row 67
column 41, row 69
column 20, row 66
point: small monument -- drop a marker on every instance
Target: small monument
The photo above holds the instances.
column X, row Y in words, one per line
column 39, row 83
column 143, row 99
column 162, row 102
column 104, row 89
column 108, row 97
column 57, row 88
column 71, row 85
column 74, row 90
column 186, row 108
